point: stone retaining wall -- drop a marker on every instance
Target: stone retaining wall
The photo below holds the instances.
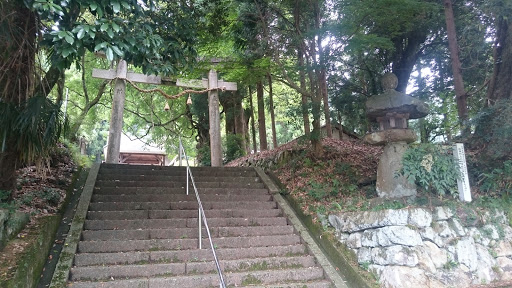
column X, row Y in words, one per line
column 10, row 224
column 419, row 247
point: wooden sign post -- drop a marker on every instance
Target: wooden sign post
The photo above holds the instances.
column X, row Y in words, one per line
column 116, row 120
column 463, row 180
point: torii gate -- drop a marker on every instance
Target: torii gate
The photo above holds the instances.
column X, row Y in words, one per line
column 116, row 119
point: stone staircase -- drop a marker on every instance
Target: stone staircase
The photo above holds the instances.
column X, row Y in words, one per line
column 141, row 230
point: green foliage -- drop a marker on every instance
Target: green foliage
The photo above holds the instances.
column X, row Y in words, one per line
column 33, row 127
column 204, row 156
column 493, row 133
column 50, row 195
column 72, row 150
column 148, row 38
column 450, row 264
column 431, row 167
column 317, row 190
column 499, row 180
column 394, row 204
column 234, row 147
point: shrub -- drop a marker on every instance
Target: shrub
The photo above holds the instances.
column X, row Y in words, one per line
column 234, row 147
column 203, row 156
column 498, row 180
column 431, row 167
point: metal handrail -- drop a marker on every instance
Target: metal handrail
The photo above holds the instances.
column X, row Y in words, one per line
column 202, row 216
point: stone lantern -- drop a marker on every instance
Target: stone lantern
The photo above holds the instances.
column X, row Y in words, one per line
column 392, row 110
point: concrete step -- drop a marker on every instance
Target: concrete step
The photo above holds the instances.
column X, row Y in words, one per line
column 176, row 190
column 185, row 205
column 178, row 197
column 287, row 277
column 173, row 214
column 181, row 223
column 191, row 255
column 177, row 178
column 95, row 273
column 183, row 244
column 104, row 183
column 183, row 233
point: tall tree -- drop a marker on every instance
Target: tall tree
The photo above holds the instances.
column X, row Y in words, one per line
column 460, row 93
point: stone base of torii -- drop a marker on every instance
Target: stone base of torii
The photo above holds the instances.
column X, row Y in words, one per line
column 121, row 74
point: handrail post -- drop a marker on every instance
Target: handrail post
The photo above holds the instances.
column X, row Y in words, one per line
column 188, row 173
column 200, row 229
column 180, row 154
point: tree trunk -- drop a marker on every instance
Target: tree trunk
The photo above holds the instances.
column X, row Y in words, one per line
column 73, row 131
column 17, row 71
column 460, row 93
column 253, row 126
column 499, row 87
column 262, row 128
column 408, row 50
column 321, row 73
column 8, row 175
column 272, row 114
column 302, row 75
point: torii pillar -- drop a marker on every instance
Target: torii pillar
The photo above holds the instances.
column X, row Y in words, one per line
column 214, row 117
column 116, row 117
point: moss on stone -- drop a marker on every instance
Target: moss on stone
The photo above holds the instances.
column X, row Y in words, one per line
column 25, row 266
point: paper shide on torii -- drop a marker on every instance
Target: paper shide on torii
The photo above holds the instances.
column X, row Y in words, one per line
column 121, row 76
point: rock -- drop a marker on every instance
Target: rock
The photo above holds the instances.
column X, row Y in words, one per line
column 394, row 255
column 454, row 278
column 388, row 185
column 490, row 231
column 354, row 240
column 364, row 255
column 420, row 217
column 431, row 235
column 503, row 248
column 457, row 227
column 358, row 221
column 369, row 239
column 505, row 265
column 486, row 263
column 391, row 135
column 391, row 235
column 478, row 236
column 438, row 256
column 465, row 253
column 443, row 229
column 424, row 260
column 342, row 237
column 406, row 277
column 442, row 213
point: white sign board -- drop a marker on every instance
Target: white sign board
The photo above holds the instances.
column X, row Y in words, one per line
column 463, row 180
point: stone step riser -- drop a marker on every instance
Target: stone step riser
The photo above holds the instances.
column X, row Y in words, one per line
column 181, row 223
column 107, row 166
column 192, row 255
column 178, row 197
column 183, row 244
column 187, row 268
column 174, row 214
column 294, row 278
column 179, row 179
column 177, row 190
column 199, row 185
column 123, row 206
column 183, row 233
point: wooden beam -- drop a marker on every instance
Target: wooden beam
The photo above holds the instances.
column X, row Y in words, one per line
column 132, row 76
